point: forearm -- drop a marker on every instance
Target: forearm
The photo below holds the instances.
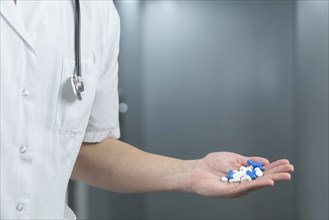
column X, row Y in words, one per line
column 117, row 166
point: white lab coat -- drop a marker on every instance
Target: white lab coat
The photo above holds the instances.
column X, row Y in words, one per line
column 42, row 125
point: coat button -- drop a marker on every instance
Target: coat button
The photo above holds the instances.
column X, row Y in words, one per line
column 20, row 207
column 23, row 149
column 25, row 92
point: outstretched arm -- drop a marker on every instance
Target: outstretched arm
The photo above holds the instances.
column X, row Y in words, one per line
column 117, row 166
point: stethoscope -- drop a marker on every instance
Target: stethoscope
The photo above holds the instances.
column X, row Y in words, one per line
column 76, row 79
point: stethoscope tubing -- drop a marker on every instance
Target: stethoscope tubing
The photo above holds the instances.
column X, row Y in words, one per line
column 76, row 79
column 77, row 33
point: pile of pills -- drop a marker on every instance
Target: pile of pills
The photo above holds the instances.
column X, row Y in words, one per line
column 248, row 173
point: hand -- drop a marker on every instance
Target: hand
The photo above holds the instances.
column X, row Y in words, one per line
column 205, row 177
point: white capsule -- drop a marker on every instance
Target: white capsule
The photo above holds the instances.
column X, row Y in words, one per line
column 245, row 179
column 243, row 175
column 236, row 176
column 224, row 179
column 258, row 172
column 234, row 180
column 243, row 169
column 250, row 168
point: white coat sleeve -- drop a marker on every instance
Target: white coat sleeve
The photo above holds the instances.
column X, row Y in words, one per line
column 104, row 117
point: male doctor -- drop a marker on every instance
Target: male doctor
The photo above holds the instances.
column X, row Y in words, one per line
column 48, row 136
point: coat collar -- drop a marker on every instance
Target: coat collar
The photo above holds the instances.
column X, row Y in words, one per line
column 10, row 13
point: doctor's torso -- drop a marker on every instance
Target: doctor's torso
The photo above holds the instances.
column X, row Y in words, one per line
column 42, row 125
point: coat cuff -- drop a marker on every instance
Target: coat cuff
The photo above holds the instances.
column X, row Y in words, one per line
column 94, row 136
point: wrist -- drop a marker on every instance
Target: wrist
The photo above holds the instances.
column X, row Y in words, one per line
column 185, row 182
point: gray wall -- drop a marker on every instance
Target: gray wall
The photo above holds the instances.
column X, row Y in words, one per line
column 244, row 76
column 312, row 109
column 217, row 75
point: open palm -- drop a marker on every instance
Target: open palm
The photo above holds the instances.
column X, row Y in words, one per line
column 205, row 177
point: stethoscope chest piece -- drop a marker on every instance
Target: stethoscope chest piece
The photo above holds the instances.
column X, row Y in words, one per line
column 77, row 86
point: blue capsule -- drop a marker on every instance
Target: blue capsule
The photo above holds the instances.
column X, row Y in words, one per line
column 251, row 174
column 250, row 163
column 255, row 164
column 229, row 174
column 245, row 173
column 259, row 165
